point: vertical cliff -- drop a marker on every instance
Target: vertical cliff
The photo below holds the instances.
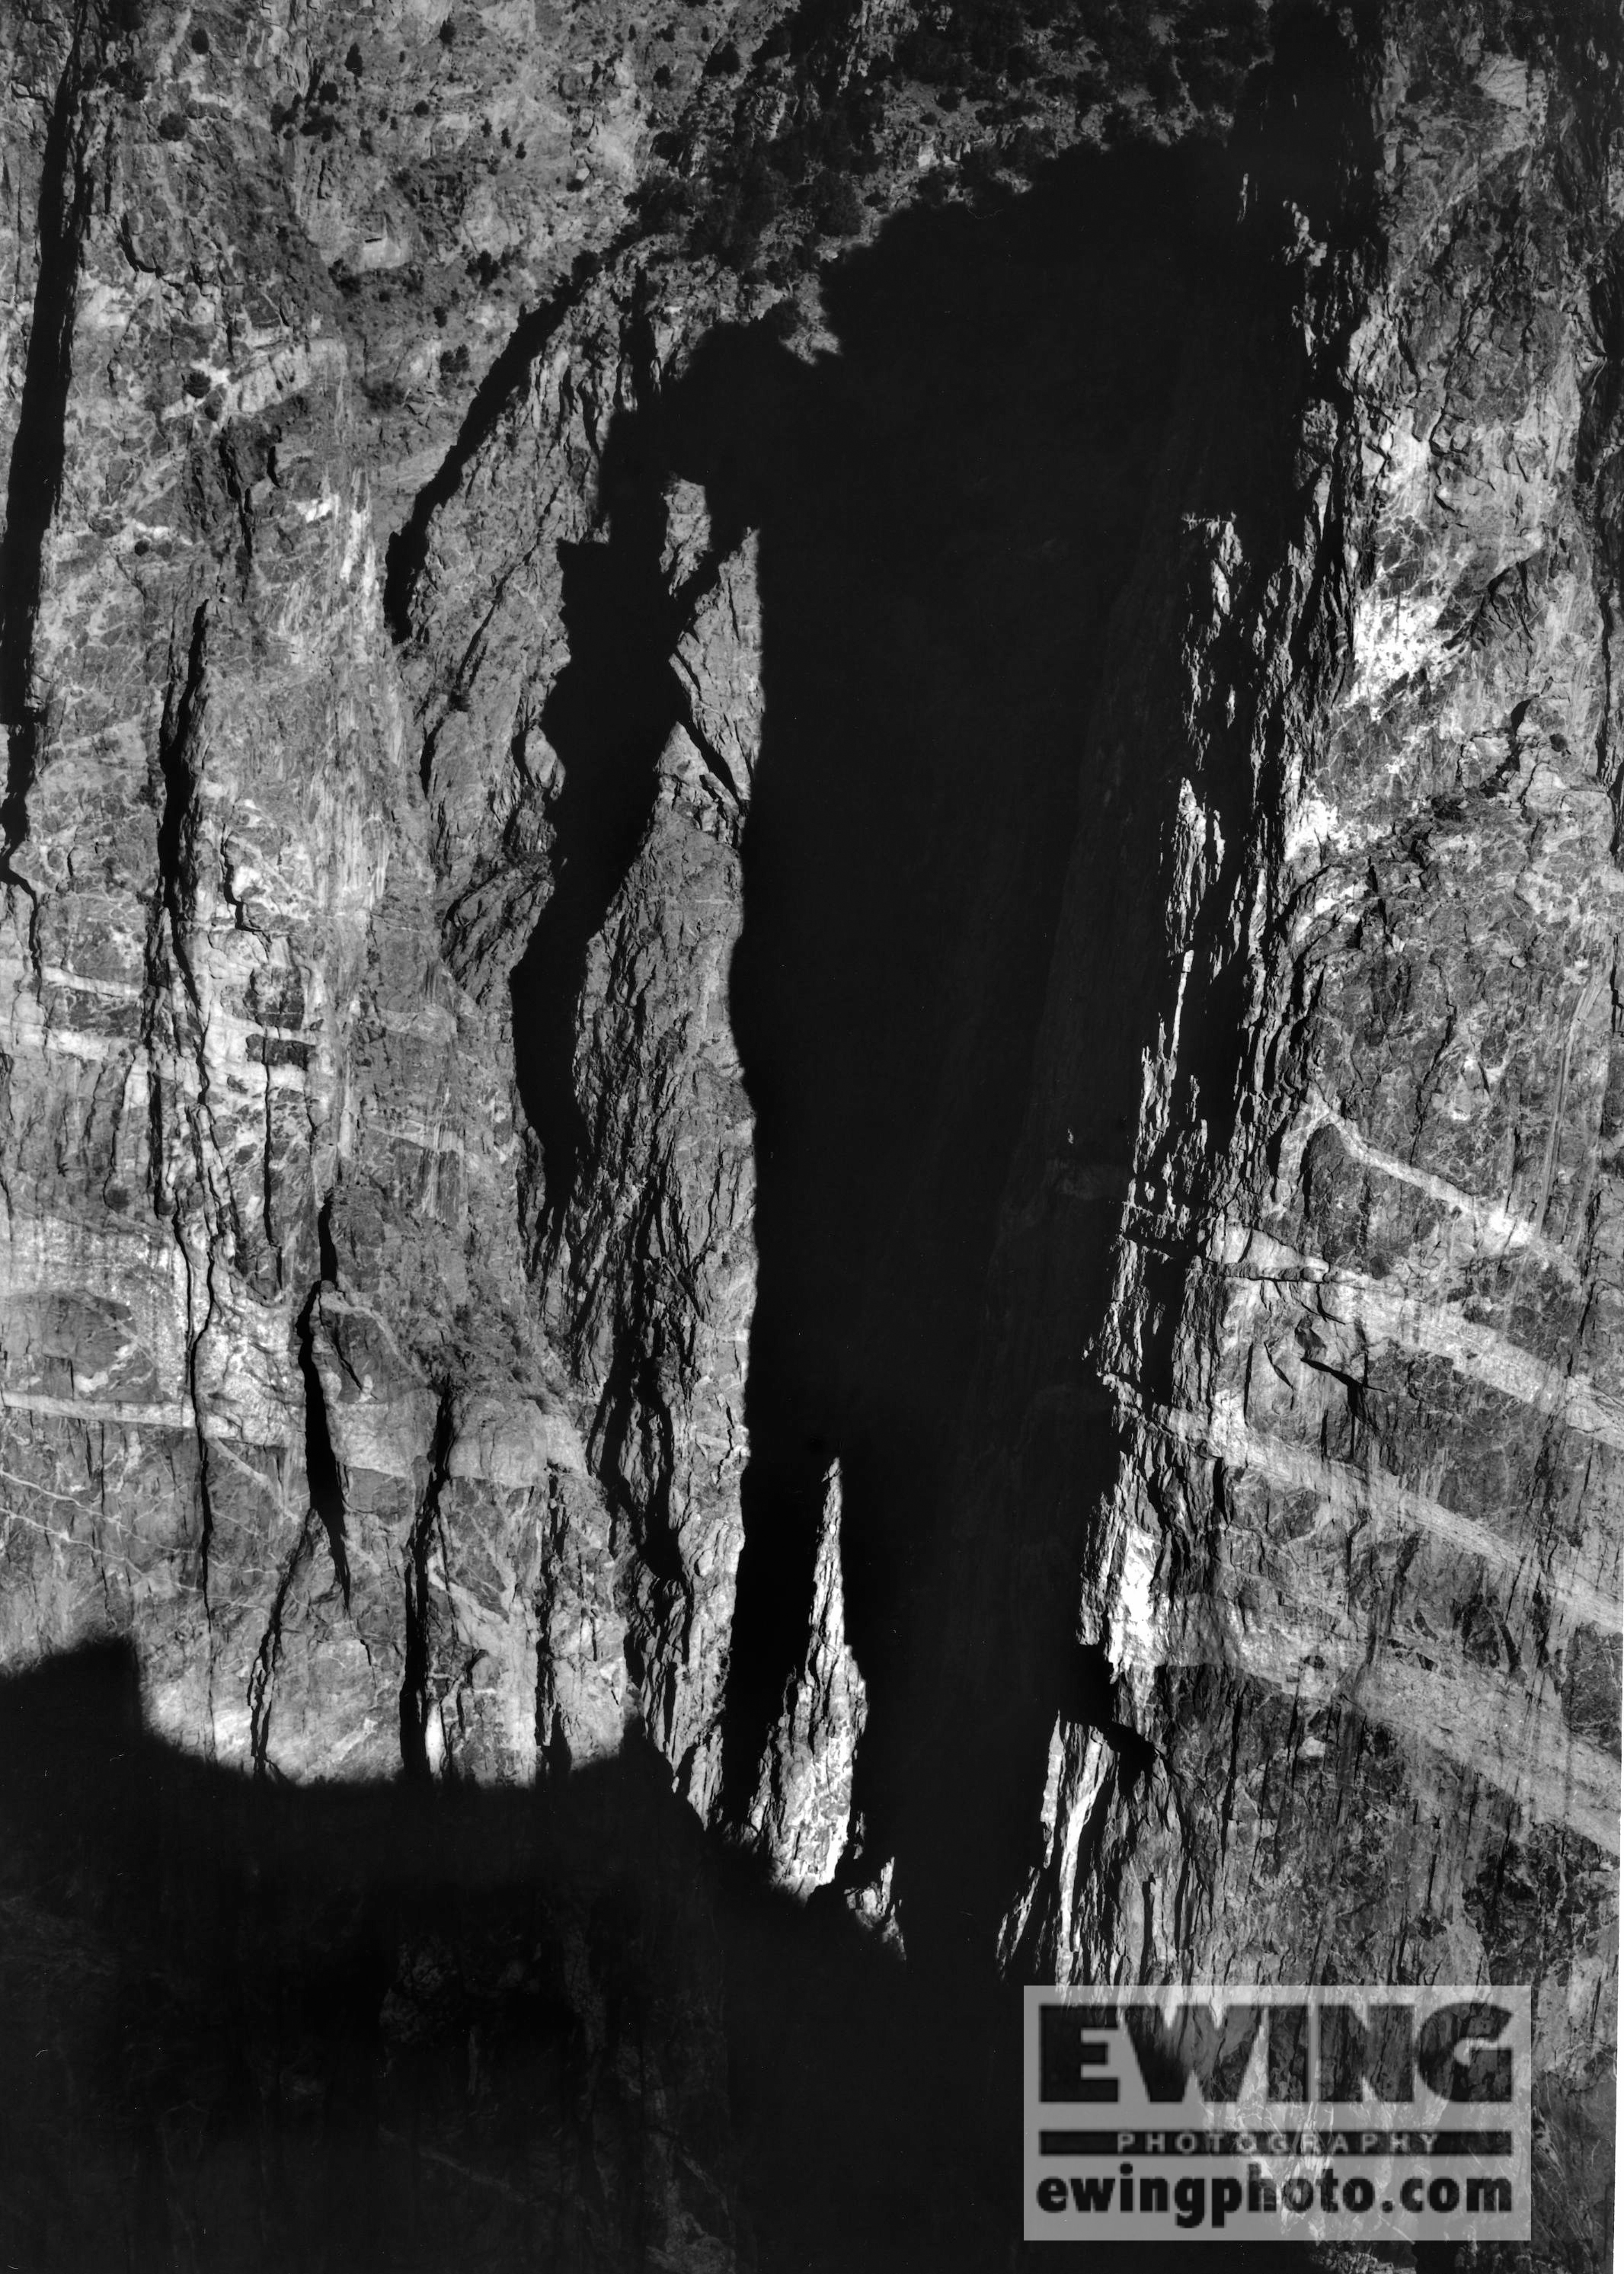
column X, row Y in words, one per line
column 807, row 1003
column 1303, row 1276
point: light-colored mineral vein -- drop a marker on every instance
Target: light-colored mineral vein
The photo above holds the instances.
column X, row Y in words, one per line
column 1381, row 1501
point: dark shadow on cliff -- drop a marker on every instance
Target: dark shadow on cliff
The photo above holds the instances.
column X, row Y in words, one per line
column 950, row 504
column 1030, row 399
column 607, row 718
column 948, row 508
column 246, row 2027
column 965, row 508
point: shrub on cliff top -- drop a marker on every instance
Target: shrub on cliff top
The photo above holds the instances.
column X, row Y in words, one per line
column 836, row 205
column 661, row 201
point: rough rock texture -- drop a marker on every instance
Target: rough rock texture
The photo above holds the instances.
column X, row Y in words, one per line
column 752, row 744
column 802, row 1813
column 1354, row 1557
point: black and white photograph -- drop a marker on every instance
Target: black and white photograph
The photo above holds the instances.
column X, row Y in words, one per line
column 811, row 1136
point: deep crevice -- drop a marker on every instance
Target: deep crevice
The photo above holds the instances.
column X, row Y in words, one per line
column 948, row 511
column 176, row 820
column 1003, row 1625
column 178, row 735
column 416, row 1701
column 321, row 1469
column 947, row 514
column 262, row 1680
column 33, row 484
column 326, row 1251
column 194, row 1343
column 608, row 718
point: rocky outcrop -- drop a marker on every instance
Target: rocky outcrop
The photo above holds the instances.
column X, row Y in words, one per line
column 801, row 1812
column 807, row 1001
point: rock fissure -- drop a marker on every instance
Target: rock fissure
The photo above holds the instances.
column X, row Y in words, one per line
column 178, row 770
column 35, row 477
column 197, row 1330
column 419, row 1697
column 608, row 716
column 326, row 1493
column 262, row 1680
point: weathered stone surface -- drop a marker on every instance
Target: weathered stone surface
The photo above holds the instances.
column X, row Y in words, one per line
column 751, row 746
column 801, row 1812
column 1357, row 1532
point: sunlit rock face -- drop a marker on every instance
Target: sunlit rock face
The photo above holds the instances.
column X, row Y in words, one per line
column 801, row 1811
column 1353, row 1553
column 807, row 999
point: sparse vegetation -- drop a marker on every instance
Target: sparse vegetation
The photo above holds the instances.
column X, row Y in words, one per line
column 836, row 204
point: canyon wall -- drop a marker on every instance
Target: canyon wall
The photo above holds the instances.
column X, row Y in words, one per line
column 1352, row 1565
column 806, row 1000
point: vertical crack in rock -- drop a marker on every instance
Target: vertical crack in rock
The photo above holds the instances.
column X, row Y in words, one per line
column 179, row 738
column 177, row 763
column 800, row 1817
column 262, row 1678
column 196, row 1330
column 418, row 1694
column 33, row 481
column 608, row 718
column 321, row 1469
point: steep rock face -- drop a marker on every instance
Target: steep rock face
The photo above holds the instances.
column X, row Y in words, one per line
column 1352, row 1559
column 801, row 1812
column 259, row 1151
column 651, row 856
column 280, row 1410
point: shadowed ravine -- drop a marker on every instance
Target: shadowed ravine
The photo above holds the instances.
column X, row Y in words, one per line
column 950, row 505
column 948, row 508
